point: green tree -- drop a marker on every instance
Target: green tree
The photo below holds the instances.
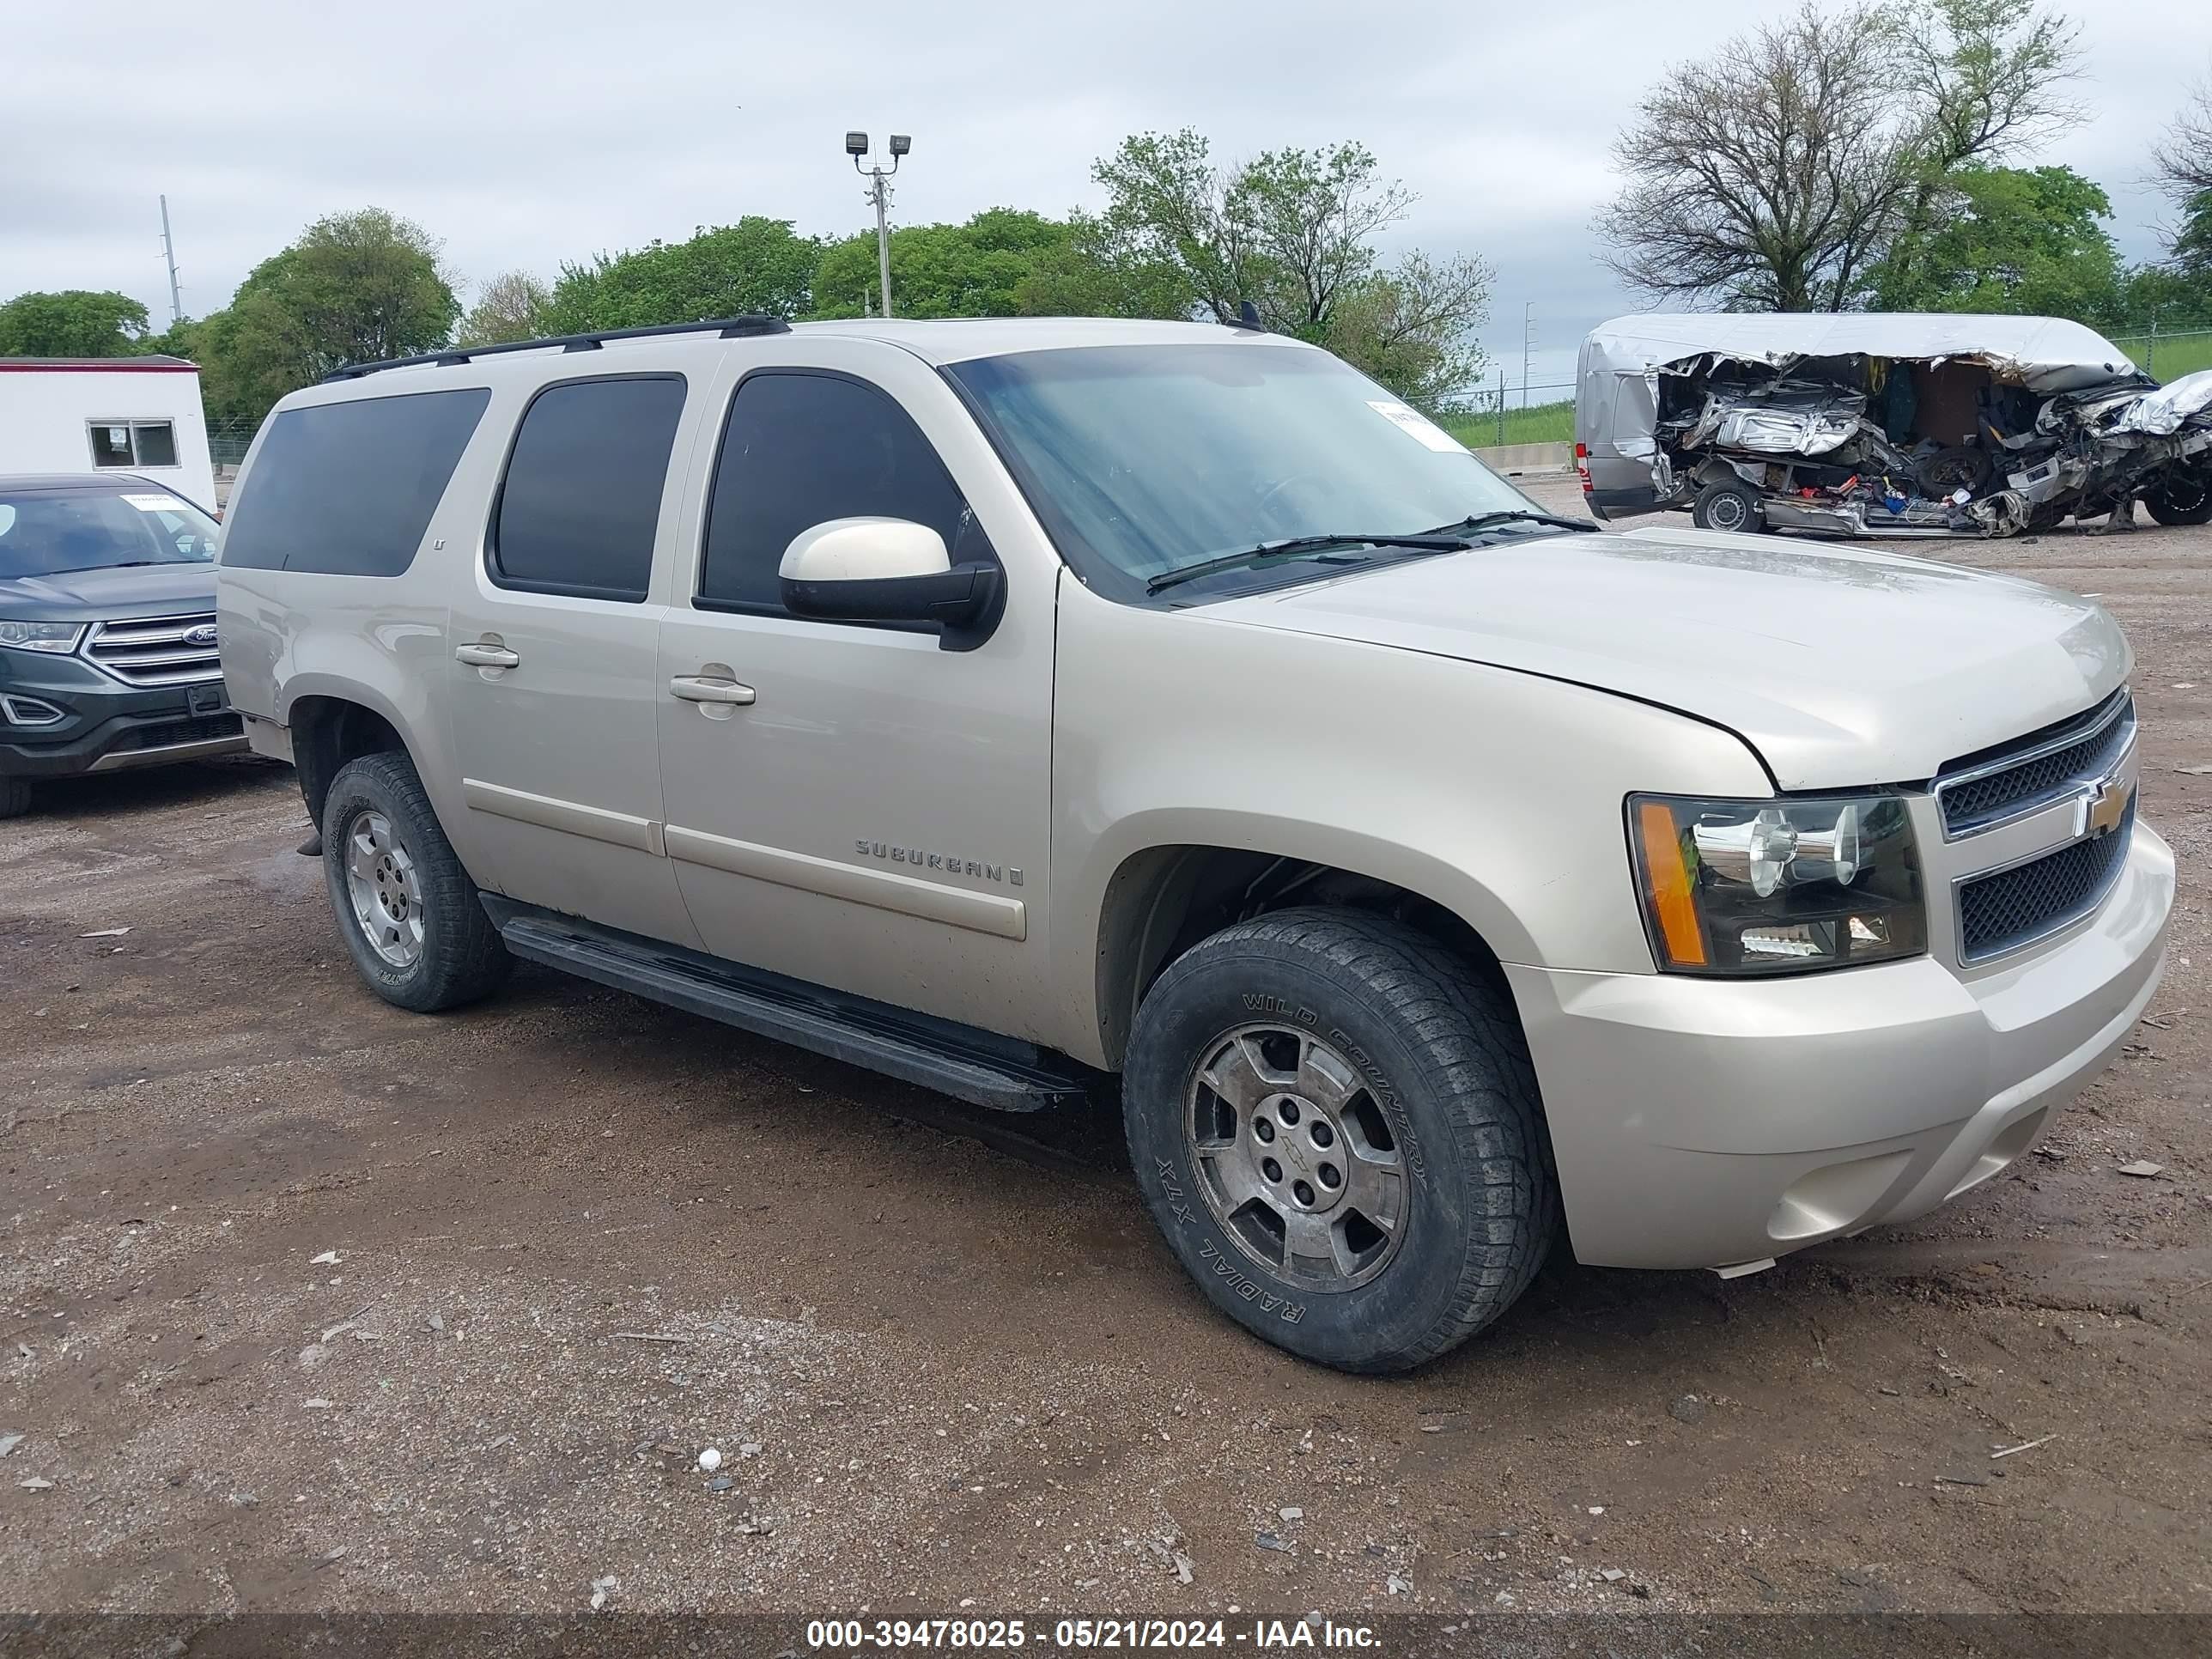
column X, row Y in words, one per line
column 356, row 287
column 2028, row 242
column 971, row 269
column 512, row 307
column 1098, row 270
column 756, row 265
column 1292, row 232
column 74, row 323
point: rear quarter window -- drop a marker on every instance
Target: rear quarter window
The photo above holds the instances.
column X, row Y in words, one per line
column 348, row 489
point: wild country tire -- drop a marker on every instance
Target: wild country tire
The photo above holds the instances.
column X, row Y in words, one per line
column 14, row 797
column 426, row 944
column 1439, row 1068
column 1729, row 507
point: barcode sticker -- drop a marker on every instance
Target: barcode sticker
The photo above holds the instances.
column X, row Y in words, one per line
column 153, row 503
column 1417, row 426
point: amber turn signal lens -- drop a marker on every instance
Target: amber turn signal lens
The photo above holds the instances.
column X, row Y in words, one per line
column 1667, row 883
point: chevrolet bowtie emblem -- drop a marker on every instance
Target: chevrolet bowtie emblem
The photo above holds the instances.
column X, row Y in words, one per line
column 2102, row 812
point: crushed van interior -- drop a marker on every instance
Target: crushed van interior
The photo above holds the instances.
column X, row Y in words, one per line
column 1905, row 426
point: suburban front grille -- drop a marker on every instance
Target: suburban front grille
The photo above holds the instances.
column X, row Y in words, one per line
column 154, row 650
column 2041, row 767
column 2012, row 907
column 169, row 733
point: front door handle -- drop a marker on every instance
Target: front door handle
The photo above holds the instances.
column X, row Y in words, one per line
column 485, row 656
column 704, row 688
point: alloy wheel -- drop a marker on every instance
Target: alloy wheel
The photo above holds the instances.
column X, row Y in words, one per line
column 386, row 888
column 1296, row 1158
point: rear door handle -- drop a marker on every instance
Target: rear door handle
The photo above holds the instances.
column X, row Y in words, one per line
column 485, row 656
column 702, row 688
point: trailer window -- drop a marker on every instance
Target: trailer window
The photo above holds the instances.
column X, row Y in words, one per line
column 134, row 443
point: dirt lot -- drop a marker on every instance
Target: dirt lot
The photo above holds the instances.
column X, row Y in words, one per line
column 310, row 1303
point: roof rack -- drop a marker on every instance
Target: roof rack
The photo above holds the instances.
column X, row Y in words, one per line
column 730, row 328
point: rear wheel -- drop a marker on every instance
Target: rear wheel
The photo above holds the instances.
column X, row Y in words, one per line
column 2182, row 497
column 408, row 912
column 1336, row 1126
column 1727, row 507
column 14, row 797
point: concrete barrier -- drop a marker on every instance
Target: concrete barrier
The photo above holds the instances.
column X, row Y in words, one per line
column 1529, row 458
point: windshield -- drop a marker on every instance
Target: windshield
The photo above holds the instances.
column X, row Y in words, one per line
column 44, row 532
column 1143, row 459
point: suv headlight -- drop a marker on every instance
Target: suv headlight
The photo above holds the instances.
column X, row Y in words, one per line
column 60, row 638
column 1777, row 886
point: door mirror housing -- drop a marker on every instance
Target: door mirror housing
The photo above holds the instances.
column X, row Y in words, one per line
column 890, row 570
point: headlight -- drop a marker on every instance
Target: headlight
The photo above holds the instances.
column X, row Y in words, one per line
column 58, row 637
column 1777, row 886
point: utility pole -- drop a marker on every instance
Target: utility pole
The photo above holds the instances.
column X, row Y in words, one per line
column 1528, row 338
column 879, row 192
column 169, row 253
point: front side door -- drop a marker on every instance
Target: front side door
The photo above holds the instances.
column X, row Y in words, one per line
column 856, row 805
column 555, row 687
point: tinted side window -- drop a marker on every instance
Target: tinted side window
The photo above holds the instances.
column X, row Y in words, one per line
column 581, row 499
column 348, row 489
column 802, row 448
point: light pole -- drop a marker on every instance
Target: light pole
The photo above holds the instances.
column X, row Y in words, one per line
column 879, row 192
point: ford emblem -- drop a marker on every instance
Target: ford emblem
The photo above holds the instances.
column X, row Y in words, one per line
column 203, row 634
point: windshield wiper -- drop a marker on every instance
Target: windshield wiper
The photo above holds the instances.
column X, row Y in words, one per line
column 1509, row 515
column 1426, row 542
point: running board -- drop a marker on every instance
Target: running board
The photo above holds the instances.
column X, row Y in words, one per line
column 970, row 1065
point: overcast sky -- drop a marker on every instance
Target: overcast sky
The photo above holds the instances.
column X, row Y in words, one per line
column 524, row 135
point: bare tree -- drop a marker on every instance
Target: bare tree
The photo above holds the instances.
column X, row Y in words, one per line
column 1774, row 173
column 511, row 307
column 2183, row 160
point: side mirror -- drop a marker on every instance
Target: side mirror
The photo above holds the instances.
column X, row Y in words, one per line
column 888, row 570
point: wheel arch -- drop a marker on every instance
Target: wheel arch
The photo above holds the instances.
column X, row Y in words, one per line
column 1165, row 897
column 332, row 727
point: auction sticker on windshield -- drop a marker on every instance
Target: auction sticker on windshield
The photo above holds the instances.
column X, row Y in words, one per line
column 152, row 503
column 1417, row 426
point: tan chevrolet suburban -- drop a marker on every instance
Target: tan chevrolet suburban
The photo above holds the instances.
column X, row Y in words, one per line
column 1000, row 704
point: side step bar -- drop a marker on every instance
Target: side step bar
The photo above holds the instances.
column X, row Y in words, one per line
column 970, row 1065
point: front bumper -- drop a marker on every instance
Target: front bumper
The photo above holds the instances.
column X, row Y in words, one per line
column 106, row 725
column 1709, row 1123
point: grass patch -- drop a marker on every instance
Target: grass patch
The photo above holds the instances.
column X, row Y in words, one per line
column 1539, row 423
column 2176, row 354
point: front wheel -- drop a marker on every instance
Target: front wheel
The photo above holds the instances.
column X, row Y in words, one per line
column 2182, row 497
column 1336, row 1126
column 1727, row 507
column 14, row 797
column 409, row 914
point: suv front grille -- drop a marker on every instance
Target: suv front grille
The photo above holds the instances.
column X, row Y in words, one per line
column 2001, row 912
column 152, row 650
column 2037, row 770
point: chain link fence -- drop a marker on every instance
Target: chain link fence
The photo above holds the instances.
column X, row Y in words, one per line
column 1510, row 413
column 228, row 440
column 2167, row 355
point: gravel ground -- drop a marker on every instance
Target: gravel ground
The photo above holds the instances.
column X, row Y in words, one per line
column 311, row 1304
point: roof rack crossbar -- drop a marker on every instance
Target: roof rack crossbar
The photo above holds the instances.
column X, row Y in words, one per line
column 730, row 328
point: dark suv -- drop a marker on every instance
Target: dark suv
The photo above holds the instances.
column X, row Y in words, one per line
column 107, row 641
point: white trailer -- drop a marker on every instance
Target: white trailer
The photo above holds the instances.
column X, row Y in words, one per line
column 136, row 414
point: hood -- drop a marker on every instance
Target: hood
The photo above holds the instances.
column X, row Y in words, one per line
column 110, row 593
column 1840, row 667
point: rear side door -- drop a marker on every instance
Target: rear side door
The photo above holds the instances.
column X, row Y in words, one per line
column 554, row 690
column 874, row 815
